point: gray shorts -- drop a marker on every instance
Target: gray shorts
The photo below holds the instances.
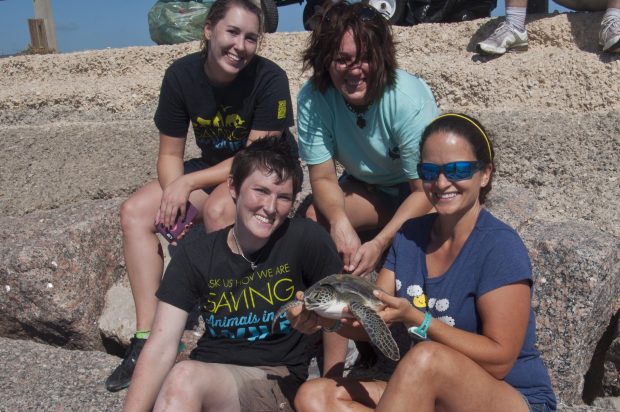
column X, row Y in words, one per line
column 264, row 388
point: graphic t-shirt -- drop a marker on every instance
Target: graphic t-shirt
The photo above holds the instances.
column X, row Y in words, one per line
column 222, row 117
column 239, row 304
column 493, row 256
column 386, row 151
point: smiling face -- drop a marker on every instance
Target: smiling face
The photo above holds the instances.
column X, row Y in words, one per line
column 350, row 77
column 459, row 197
column 262, row 205
column 233, row 41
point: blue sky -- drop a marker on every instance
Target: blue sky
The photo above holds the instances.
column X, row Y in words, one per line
column 85, row 25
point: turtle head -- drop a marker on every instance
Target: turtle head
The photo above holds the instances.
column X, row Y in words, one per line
column 325, row 302
column 320, row 297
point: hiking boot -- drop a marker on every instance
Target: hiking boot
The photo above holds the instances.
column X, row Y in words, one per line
column 609, row 36
column 505, row 38
column 121, row 377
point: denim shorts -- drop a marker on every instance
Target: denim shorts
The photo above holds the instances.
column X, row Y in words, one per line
column 194, row 165
column 537, row 407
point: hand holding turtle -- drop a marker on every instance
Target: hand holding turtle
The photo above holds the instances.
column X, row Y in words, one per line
column 306, row 321
column 398, row 310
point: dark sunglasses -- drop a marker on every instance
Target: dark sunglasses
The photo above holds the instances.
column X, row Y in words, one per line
column 453, row 171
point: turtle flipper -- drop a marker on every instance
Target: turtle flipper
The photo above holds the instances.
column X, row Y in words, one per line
column 283, row 309
column 377, row 330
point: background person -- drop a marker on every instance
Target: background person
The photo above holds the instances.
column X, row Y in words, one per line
column 241, row 275
column 231, row 97
column 463, row 286
column 511, row 34
column 358, row 109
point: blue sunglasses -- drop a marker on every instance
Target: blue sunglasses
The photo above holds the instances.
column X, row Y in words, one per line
column 453, row 171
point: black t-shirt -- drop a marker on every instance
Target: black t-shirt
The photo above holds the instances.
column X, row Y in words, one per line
column 239, row 304
column 222, row 117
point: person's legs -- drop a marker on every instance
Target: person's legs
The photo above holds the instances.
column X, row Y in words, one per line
column 434, row 377
column 609, row 36
column 144, row 262
column 366, row 209
column 511, row 34
column 219, row 209
column 322, row 394
column 195, row 385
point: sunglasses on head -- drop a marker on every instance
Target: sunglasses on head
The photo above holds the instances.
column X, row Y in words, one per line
column 365, row 13
column 453, row 171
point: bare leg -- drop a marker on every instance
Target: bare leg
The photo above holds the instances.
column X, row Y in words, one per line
column 142, row 249
column 365, row 210
column 615, row 4
column 341, row 394
column 194, row 385
column 434, row 377
column 219, row 209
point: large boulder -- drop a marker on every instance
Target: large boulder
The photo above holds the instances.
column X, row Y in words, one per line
column 576, row 276
column 55, row 268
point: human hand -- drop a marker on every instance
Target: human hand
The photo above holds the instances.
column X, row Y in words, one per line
column 173, row 202
column 397, row 310
column 347, row 242
column 367, row 257
column 306, row 321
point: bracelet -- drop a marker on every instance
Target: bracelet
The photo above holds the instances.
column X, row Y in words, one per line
column 334, row 328
column 419, row 332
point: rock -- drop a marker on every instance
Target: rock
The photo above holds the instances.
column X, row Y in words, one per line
column 56, row 270
column 118, row 318
column 41, row 377
column 576, row 275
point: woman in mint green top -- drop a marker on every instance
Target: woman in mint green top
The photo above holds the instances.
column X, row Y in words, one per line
column 358, row 109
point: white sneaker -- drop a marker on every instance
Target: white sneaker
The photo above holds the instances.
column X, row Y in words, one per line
column 503, row 39
column 609, row 36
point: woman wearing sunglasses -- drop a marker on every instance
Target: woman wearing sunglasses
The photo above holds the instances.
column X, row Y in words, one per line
column 358, row 109
column 460, row 281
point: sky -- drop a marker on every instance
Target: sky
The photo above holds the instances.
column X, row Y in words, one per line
column 88, row 25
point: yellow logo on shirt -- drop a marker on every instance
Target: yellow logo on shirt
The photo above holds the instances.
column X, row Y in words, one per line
column 281, row 109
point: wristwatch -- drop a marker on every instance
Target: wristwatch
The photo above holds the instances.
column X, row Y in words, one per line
column 419, row 332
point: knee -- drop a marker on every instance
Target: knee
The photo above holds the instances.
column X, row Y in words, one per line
column 132, row 214
column 178, row 383
column 217, row 214
column 311, row 213
column 425, row 359
column 313, row 396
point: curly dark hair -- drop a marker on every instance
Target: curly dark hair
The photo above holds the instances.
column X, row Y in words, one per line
column 471, row 130
column 373, row 38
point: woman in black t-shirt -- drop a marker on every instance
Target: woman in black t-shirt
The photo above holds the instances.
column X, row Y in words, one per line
column 231, row 97
column 241, row 275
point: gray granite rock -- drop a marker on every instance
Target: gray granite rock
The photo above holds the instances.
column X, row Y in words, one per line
column 37, row 377
column 55, row 271
column 577, row 285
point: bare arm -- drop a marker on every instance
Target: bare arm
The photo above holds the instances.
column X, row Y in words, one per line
column 504, row 313
column 157, row 358
column 368, row 255
column 329, row 200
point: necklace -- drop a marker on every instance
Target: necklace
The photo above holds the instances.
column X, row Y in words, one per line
column 358, row 112
column 252, row 264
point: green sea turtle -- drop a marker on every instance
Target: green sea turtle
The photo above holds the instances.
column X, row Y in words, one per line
column 328, row 298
